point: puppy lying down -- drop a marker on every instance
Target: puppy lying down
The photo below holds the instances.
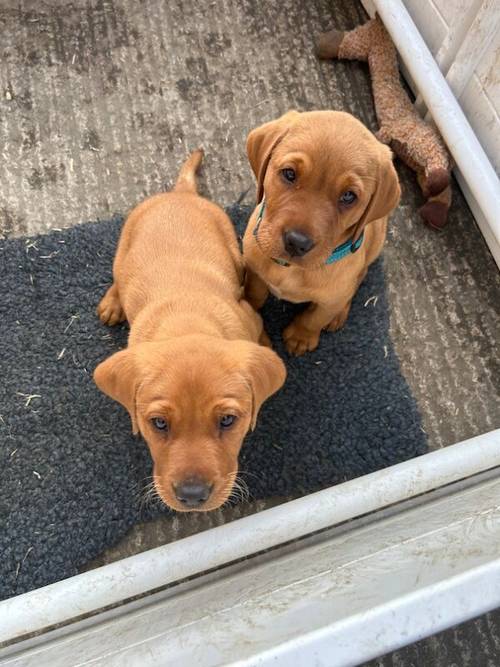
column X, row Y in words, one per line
column 194, row 375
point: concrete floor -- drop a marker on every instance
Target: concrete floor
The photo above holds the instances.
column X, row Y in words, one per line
column 100, row 101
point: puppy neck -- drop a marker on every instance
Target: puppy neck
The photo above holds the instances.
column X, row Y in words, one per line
column 173, row 319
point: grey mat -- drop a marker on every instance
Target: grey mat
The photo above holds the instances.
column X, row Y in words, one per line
column 71, row 472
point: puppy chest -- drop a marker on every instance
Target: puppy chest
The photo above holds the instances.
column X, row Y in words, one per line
column 276, row 291
column 286, row 289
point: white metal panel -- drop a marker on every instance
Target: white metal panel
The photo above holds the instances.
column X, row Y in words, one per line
column 444, row 24
column 346, row 599
column 474, row 78
column 464, row 18
column 453, row 11
column 488, row 69
column 473, row 47
column 484, row 118
column 122, row 580
column 429, row 21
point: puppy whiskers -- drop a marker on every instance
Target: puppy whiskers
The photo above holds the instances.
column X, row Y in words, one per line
column 151, row 494
column 236, row 489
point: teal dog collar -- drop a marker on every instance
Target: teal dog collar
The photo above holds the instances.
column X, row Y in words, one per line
column 347, row 248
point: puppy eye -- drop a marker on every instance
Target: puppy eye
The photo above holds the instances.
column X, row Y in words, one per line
column 160, row 424
column 349, row 197
column 227, row 421
column 289, row 175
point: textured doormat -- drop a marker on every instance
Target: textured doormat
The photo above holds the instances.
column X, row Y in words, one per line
column 71, row 473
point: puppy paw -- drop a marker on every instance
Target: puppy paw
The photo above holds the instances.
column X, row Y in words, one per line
column 110, row 310
column 299, row 340
column 339, row 320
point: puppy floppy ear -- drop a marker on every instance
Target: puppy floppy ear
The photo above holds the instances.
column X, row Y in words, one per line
column 264, row 371
column 386, row 195
column 262, row 141
column 118, row 377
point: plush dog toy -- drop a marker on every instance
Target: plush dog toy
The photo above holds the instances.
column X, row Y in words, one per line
column 416, row 142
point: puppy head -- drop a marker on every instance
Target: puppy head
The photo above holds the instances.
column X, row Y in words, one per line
column 324, row 176
column 193, row 399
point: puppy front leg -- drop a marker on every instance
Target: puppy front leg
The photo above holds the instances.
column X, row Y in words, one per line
column 340, row 318
column 110, row 309
column 256, row 291
column 341, row 314
column 302, row 335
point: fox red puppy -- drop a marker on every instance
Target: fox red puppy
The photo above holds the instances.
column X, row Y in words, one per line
column 194, row 375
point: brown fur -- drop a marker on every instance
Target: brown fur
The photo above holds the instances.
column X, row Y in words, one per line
column 193, row 354
column 331, row 153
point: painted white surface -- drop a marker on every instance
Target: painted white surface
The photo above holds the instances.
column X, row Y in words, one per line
column 93, row 590
column 474, row 46
column 430, row 22
column 352, row 596
column 483, row 116
column 454, row 11
column 488, row 69
column 480, row 99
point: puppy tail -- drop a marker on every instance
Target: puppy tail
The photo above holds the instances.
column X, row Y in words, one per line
column 186, row 181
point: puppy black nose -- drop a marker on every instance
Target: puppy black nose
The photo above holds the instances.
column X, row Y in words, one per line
column 192, row 492
column 296, row 243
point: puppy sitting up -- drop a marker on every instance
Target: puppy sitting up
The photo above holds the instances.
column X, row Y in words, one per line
column 193, row 376
column 325, row 188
